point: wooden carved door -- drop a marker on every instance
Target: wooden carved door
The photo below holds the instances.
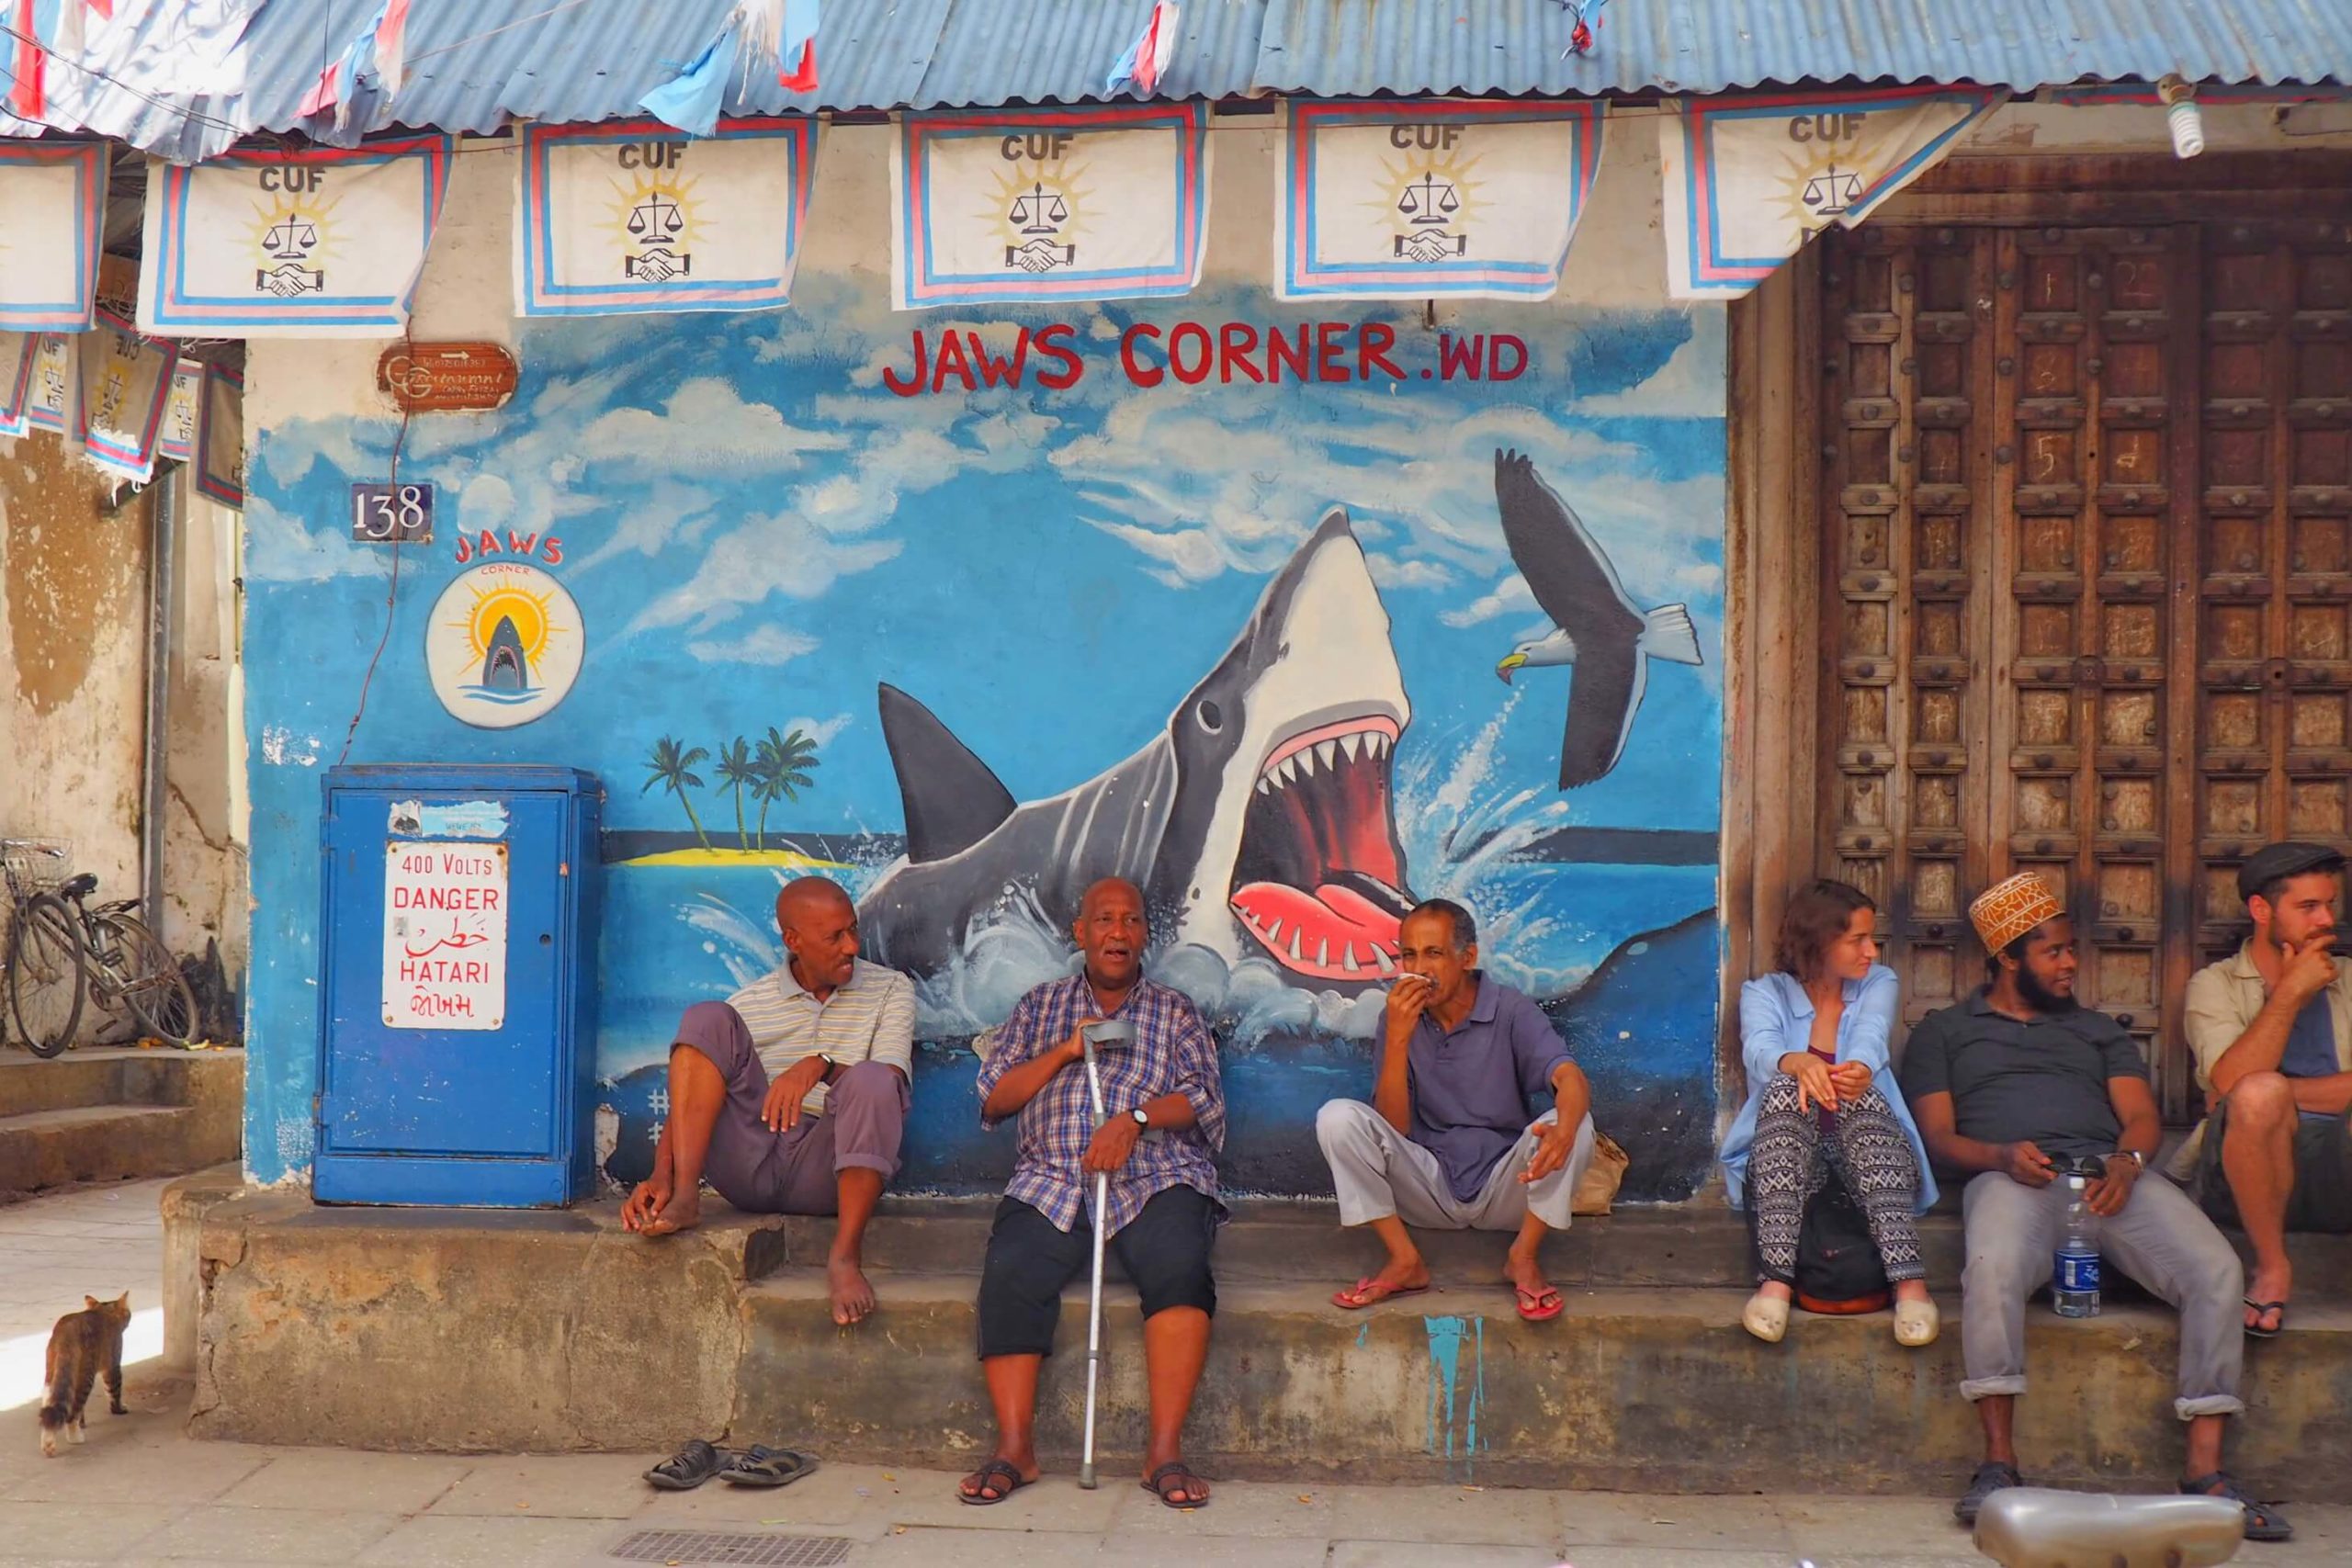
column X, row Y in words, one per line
column 2088, row 585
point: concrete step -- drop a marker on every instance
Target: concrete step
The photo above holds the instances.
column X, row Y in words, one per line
column 207, row 1087
column 1631, row 1390
column 548, row 1332
column 1275, row 1241
column 90, row 1143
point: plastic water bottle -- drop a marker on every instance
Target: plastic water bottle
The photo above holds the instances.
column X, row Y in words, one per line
column 2074, row 1277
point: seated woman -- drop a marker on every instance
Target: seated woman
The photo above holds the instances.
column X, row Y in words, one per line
column 1822, row 1100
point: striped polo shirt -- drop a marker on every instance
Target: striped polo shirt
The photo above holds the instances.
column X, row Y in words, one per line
column 872, row 1019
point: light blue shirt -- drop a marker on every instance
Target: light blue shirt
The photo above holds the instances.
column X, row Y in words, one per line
column 1776, row 1018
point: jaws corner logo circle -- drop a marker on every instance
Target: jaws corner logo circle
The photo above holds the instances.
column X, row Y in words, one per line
column 504, row 645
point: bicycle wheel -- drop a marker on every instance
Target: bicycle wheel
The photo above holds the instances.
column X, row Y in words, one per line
column 149, row 980
column 45, row 974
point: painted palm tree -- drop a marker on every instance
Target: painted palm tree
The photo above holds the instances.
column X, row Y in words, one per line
column 737, row 768
column 674, row 768
column 784, row 762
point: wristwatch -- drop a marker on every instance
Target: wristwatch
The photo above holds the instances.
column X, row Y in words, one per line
column 2136, row 1157
column 1143, row 1117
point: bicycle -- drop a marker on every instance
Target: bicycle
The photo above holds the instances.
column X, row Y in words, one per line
column 43, row 957
column 128, row 969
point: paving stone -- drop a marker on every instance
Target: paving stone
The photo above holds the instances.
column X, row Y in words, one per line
column 267, row 1535
column 44, row 1530
column 393, row 1484
column 458, row 1541
column 578, row 1486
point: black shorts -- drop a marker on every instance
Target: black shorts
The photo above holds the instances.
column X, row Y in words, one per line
column 1164, row 1249
column 2322, row 1200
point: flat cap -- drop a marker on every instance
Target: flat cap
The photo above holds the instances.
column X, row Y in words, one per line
column 2271, row 862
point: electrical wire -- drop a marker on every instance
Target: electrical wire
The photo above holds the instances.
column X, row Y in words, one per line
column 392, row 592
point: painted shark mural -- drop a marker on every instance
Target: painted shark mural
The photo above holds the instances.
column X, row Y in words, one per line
column 1236, row 640
column 1259, row 821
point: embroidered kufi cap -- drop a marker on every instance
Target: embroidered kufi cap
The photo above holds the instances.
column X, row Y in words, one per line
column 2009, row 909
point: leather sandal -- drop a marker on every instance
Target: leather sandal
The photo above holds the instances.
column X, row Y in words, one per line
column 2262, row 1522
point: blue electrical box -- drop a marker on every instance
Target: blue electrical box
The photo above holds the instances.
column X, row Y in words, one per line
column 457, row 981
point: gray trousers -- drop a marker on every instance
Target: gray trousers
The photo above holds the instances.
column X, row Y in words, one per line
column 799, row 1171
column 1379, row 1171
column 2160, row 1240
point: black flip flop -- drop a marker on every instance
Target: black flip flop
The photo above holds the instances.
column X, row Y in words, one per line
column 2262, row 1310
column 693, row 1463
column 768, row 1467
column 1176, row 1476
column 2262, row 1521
column 997, row 1475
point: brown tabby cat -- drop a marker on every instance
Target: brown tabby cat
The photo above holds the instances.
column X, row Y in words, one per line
column 83, row 1345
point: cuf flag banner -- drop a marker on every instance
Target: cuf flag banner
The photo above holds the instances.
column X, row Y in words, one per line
column 182, row 413
column 311, row 243
column 51, row 195
column 18, row 352
column 220, row 450
column 1415, row 200
column 1749, row 179
column 630, row 217
column 126, row 377
column 54, row 401
column 1081, row 203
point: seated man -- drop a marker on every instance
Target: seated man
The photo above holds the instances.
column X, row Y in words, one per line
column 2006, row 1086
column 1447, row 1142
column 2272, row 1031
column 791, row 1096
column 1166, row 1122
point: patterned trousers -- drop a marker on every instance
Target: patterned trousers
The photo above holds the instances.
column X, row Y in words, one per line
column 1791, row 1160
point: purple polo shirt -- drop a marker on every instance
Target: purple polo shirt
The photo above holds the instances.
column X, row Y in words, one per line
column 1474, row 1091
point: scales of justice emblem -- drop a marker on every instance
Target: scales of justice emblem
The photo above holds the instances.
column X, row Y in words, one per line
column 292, row 240
column 1426, row 206
column 657, row 226
column 1039, row 216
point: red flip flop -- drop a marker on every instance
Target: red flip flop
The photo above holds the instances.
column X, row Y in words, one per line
column 1532, row 1307
column 1369, row 1291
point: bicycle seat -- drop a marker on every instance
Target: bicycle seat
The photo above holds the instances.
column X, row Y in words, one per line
column 80, row 886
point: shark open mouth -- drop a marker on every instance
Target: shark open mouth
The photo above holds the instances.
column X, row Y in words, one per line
column 1316, row 881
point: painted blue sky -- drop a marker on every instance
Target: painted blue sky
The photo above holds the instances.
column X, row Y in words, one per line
column 756, row 532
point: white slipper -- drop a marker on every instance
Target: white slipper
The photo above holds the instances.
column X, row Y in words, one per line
column 1916, row 1324
column 1765, row 1317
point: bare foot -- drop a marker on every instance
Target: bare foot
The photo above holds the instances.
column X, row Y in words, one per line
column 1904, row 1290
column 681, row 1213
column 2268, row 1285
column 1773, row 1291
column 852, row 1297
column 1393, row 1278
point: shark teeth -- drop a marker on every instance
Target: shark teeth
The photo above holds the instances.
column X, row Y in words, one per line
column 1380, row 957
column 1347, row 745
column 1367, row 744
column 1295, row 957
column 1348, row 959
column 1325, row 750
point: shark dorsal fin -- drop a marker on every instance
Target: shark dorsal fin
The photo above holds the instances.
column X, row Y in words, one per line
column 951, row 800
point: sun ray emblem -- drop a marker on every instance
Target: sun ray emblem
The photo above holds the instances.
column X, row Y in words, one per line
column 504, row 644
column 1040, row 213
column 293, row 241
column 657, row 221
column 1429, row 204
column 1822, row 185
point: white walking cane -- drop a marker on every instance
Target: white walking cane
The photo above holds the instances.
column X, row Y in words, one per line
column 1115, row 1032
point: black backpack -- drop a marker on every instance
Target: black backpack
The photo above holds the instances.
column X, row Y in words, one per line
column 1838, row 1270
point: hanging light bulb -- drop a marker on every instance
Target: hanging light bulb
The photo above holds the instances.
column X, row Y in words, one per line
column 2182, row 116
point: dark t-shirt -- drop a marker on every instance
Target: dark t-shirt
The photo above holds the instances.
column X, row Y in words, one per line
column 1476, row 1090
column 2043, row 1081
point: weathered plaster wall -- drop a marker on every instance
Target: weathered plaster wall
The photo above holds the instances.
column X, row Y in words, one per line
column 756, row 533
column 72, row 657
column 205, row 873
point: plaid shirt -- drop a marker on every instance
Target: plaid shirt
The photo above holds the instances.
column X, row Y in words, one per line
column 1173, row 1053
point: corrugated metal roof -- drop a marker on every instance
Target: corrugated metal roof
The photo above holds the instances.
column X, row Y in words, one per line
column 590, row 60
column 1347, row 48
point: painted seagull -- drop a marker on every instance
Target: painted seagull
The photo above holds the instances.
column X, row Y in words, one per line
column 1594, row 626
column 1257, row 820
